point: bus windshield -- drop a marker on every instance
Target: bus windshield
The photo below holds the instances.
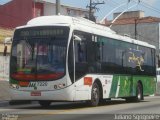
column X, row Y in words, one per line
column 39, row 53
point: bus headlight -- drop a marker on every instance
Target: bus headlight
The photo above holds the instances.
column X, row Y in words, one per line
column 14, row 86
column 61, row 85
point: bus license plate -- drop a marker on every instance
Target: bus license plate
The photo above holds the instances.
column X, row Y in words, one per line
column 36, row 93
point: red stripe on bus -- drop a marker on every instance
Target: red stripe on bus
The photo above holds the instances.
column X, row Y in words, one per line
column 36, row 77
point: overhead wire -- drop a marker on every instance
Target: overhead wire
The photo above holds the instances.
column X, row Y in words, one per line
column 151, row 6
column 148, row 6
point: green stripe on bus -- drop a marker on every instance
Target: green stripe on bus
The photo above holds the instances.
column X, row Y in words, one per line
column 128, row 85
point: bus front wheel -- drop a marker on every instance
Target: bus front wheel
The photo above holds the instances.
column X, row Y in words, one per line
column 95, row 95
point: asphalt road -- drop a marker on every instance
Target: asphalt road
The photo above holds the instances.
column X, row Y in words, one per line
column 149, row 109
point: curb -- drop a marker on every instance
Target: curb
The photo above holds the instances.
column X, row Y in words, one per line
column 157, row 94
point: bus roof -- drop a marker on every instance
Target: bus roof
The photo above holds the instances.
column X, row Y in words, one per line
column 82, row 24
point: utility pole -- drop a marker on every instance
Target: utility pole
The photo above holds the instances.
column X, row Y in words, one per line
column 58, row 7
column 90, row 9
column 136, row 22
column 92, row 6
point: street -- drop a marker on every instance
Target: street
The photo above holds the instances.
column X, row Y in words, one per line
column 115, row 109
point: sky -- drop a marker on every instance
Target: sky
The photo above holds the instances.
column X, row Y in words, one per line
column 150, row 7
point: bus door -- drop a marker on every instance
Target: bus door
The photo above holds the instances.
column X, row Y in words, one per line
column 81, row 66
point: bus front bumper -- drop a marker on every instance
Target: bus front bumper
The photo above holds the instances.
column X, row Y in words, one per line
column 65, row 94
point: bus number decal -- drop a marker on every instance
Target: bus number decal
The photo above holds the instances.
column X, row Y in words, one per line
column 34, row 84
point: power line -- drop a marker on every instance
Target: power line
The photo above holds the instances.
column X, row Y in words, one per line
column 149, row 6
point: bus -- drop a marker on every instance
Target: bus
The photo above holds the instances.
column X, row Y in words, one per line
column 62, row 58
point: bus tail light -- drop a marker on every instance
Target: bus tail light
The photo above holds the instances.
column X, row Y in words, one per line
column 88, row 81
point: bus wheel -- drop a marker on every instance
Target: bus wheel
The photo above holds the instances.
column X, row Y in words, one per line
column 95, row 95
column 45, row 103
column 139, row 94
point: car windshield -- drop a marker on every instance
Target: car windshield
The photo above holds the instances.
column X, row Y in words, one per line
column 39, row 53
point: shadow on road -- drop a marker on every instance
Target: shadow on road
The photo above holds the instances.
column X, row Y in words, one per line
column 68, row 105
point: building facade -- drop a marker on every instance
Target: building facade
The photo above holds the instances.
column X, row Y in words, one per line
column 18, row 12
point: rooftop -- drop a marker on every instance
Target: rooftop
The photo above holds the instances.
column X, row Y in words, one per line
column 125, row 21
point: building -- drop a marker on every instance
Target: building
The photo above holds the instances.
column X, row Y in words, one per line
column 18, row 12
column 135, row 25
column 4, row 32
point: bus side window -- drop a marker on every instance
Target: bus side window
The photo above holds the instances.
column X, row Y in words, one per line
column 71, row 61
column 81, row 52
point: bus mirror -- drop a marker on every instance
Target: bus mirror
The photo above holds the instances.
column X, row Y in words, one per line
column 75, row 37
column 5, row 51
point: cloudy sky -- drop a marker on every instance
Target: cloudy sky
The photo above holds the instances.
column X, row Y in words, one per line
column 150, row 7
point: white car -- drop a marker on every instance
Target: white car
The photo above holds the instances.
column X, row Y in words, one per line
column 158, row 75
column 158, row 81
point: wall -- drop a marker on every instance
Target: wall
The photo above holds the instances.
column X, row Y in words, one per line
column 130, row 14
column 148, row 32
column 15, row 13
column 4, row 78
column 159, row 34
column 38, row 9
column 4, row 68
column 50, row 9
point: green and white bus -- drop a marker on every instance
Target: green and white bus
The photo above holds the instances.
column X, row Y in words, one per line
column 62, row 58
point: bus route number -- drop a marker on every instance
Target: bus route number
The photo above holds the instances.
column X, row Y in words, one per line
column 33, row 84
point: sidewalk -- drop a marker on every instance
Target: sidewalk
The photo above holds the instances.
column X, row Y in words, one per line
column 4, row 91
column 5, row 98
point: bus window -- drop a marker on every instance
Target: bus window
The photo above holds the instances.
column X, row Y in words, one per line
column 80, row 58
column 39, row 58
